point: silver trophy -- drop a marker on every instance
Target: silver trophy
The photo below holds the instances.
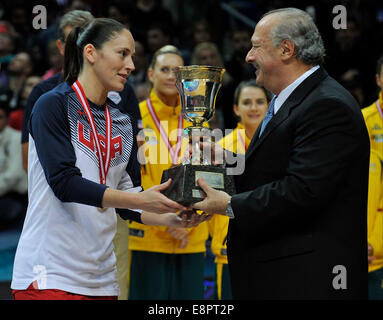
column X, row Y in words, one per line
column 198, row 87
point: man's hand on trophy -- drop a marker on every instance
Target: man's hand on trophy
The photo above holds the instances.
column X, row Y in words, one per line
column 215, row 202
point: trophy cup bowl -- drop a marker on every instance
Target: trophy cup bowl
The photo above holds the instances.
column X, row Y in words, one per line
column 198, row 87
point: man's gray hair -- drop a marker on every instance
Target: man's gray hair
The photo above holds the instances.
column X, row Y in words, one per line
column 74, row 18
column 298, row 26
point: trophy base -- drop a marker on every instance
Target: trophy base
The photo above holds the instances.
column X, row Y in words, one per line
column 184, row 188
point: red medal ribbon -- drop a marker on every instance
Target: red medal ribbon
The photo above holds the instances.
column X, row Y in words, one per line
column 103, row 158
column 174, row 154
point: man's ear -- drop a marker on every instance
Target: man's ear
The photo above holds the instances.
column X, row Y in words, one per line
column 90, row 53
column 287, row 49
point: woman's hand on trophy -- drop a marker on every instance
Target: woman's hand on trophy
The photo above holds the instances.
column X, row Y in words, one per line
column 185, row 219
column 154, row 201
column 151, row 200
column 216, row 201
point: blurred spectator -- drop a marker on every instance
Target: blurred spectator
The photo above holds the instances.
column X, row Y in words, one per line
column 138, row 75
column 158, row 35
column 15, row 119
column 13, row 179
column 79, row 5
column 144, row 14
column 206, row 53
column 39, row 44
column 142, row 91
column 201, row 31
column 344, row 42
column 236, row 65
column 20, row 16
column 29, row 84
column 119, row 10
column 352, row 81
column 6, row 54
column 191, row 12
column 347, row 52
column 18, row 70
column 55, row 60
column 16, row 116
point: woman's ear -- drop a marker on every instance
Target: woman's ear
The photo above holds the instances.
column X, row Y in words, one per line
column 150, row 74
column 379, row 81
column 236, row 111
column 90, row 53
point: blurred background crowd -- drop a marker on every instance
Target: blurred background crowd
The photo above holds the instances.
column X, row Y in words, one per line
column 207, row 32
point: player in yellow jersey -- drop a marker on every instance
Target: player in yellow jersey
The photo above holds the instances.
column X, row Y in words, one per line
column 373, row 116
column 250, row 105
column 166, row 263
column 375, row 228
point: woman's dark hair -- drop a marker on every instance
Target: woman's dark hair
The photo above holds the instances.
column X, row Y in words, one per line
column 97, row 32
column 250, row 83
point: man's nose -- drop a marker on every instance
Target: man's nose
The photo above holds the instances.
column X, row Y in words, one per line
column 249, row 57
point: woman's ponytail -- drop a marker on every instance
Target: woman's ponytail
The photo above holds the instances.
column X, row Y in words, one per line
column 72, row 56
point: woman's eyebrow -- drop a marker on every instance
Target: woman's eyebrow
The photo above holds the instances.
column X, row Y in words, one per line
column 124, row 48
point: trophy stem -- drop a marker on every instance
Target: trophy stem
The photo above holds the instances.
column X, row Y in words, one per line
column 196, row 135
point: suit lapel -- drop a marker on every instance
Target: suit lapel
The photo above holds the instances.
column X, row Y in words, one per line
column 292, row 101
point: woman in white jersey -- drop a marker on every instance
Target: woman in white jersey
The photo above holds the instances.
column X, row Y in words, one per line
column 82, row 165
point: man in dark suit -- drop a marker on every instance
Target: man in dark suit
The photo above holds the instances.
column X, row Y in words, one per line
column 299, row 230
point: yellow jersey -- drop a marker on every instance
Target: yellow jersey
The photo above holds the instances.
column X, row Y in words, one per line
column 158, row 157
column 373, row 117
column 375, row 210
column 374, row 122
column 236, row 142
